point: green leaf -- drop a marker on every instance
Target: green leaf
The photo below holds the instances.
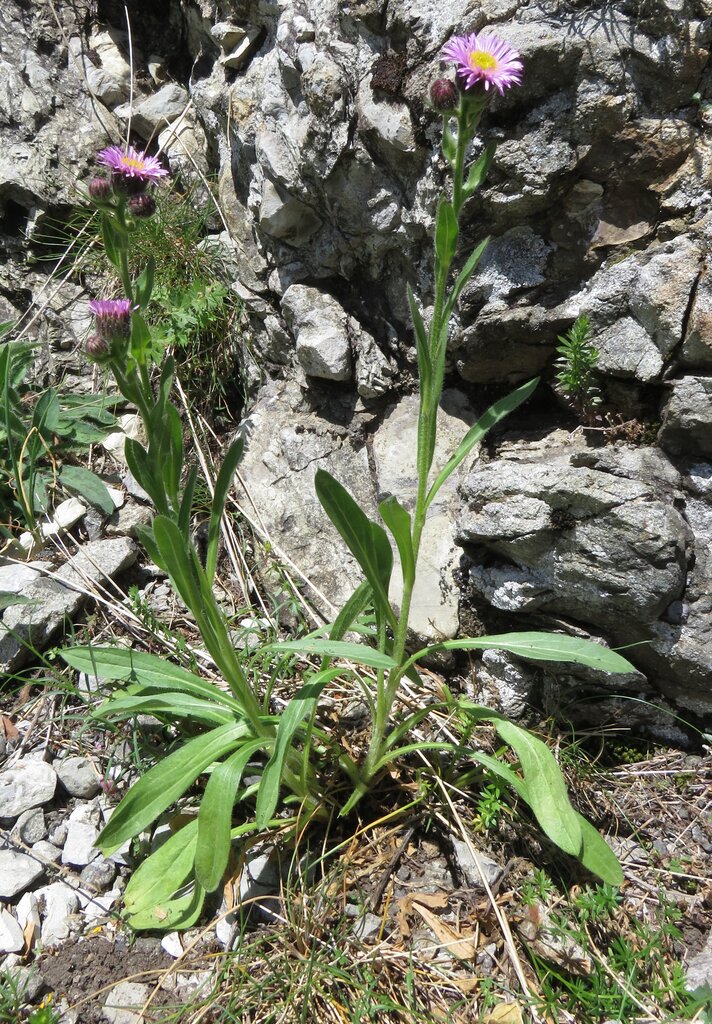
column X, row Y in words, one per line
column 356, row 605
column 367, row 541
column 46, row 414
column 397, row 519
column 169, row 705
column 164, row 872
column 144, row 285
column 222, row 487
column 140, row 466
column 338, row 649
column 177, row 556
column 215, row 816
column 165, row 782
column 152, row 673
column 8, row 599
column 547, row 794
column 597, row 856
column 478, row 170
column 541, row 647
column 449, row 142
column 186, row 503
column 175, row 913
column 140, row 339
column 446, row 232
column 425, row 365
column 494, row 414
column 461, row 280
column 82, row 481
column 299, row 707
column 115, row 240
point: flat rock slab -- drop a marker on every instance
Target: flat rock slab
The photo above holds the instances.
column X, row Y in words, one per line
column 28, row 784
column 17, row 873
column 53, row 601
column 78, row 776
column 124, row 1003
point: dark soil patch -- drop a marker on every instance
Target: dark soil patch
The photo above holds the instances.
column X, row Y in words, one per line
column 84, row 971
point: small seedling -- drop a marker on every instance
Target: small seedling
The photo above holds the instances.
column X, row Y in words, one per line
column 576, row 370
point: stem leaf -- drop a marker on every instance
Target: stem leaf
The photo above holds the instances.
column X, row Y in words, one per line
column 446, row 232
column 494, row 414
column 367, row 541
column 222, row 486
column 478, row 170
column 397, row 519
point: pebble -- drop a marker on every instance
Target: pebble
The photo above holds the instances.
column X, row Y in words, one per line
column 79, row 848
column 99, row 874
column 58, row 835
column 27, row 911
column 472, row 869
column 60, row 904
column 17, row 873
column 30, row 827
column 78, row 776
column 124, row 1002
column 11, row 937
column 47, row 851
column 29, row 783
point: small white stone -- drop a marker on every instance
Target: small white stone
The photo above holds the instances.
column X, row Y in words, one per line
column 11, row 937
column 29, row 783
column 27, row 910
column 79, row 849
column 172, row 944
column 60, row 905
column 17, row 873
column 124, row 1003
column 69, row 513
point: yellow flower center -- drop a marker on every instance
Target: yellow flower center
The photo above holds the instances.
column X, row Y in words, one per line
column 129, row 161
column 482, row 61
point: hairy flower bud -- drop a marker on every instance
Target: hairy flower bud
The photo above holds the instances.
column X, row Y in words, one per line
column 100, row 189
column 96, row 347
column 444, row 95
column 142, row 205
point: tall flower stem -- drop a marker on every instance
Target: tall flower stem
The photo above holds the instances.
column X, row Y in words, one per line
column 431, row 386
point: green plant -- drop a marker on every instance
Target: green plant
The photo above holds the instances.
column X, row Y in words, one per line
column 253, row 757
column 538, row 889
column 576, row 370
column 41, row 434
column 491, row 805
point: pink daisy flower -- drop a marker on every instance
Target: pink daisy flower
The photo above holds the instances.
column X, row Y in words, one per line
column 485, row 59
column 133, row 169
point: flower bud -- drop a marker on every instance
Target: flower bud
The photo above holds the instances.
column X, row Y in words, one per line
column 142, row 205
column 96, row 347
column 444, row 95
column 100, row 190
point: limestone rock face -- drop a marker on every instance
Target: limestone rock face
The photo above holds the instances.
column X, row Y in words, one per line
column 312, row 118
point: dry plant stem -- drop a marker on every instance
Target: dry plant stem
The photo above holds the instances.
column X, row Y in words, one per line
column 431, row 387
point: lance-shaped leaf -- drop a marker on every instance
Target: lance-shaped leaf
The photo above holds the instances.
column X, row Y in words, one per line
column 215, row 816
column 397, row 519
column 144, row 285
column 446, row 232
column 461, row 280
column 163, row 873
column 597, row 856
column 358, row 653
column 164, row 783
column 494, row 414
column 299, row 707
column 222, row 486
column 478, row 170
column 82, row 481
column 115, row 240
column 425, row 365
column 148, row 671
column 546, row 790
column 540, row 647
column 367, row 541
